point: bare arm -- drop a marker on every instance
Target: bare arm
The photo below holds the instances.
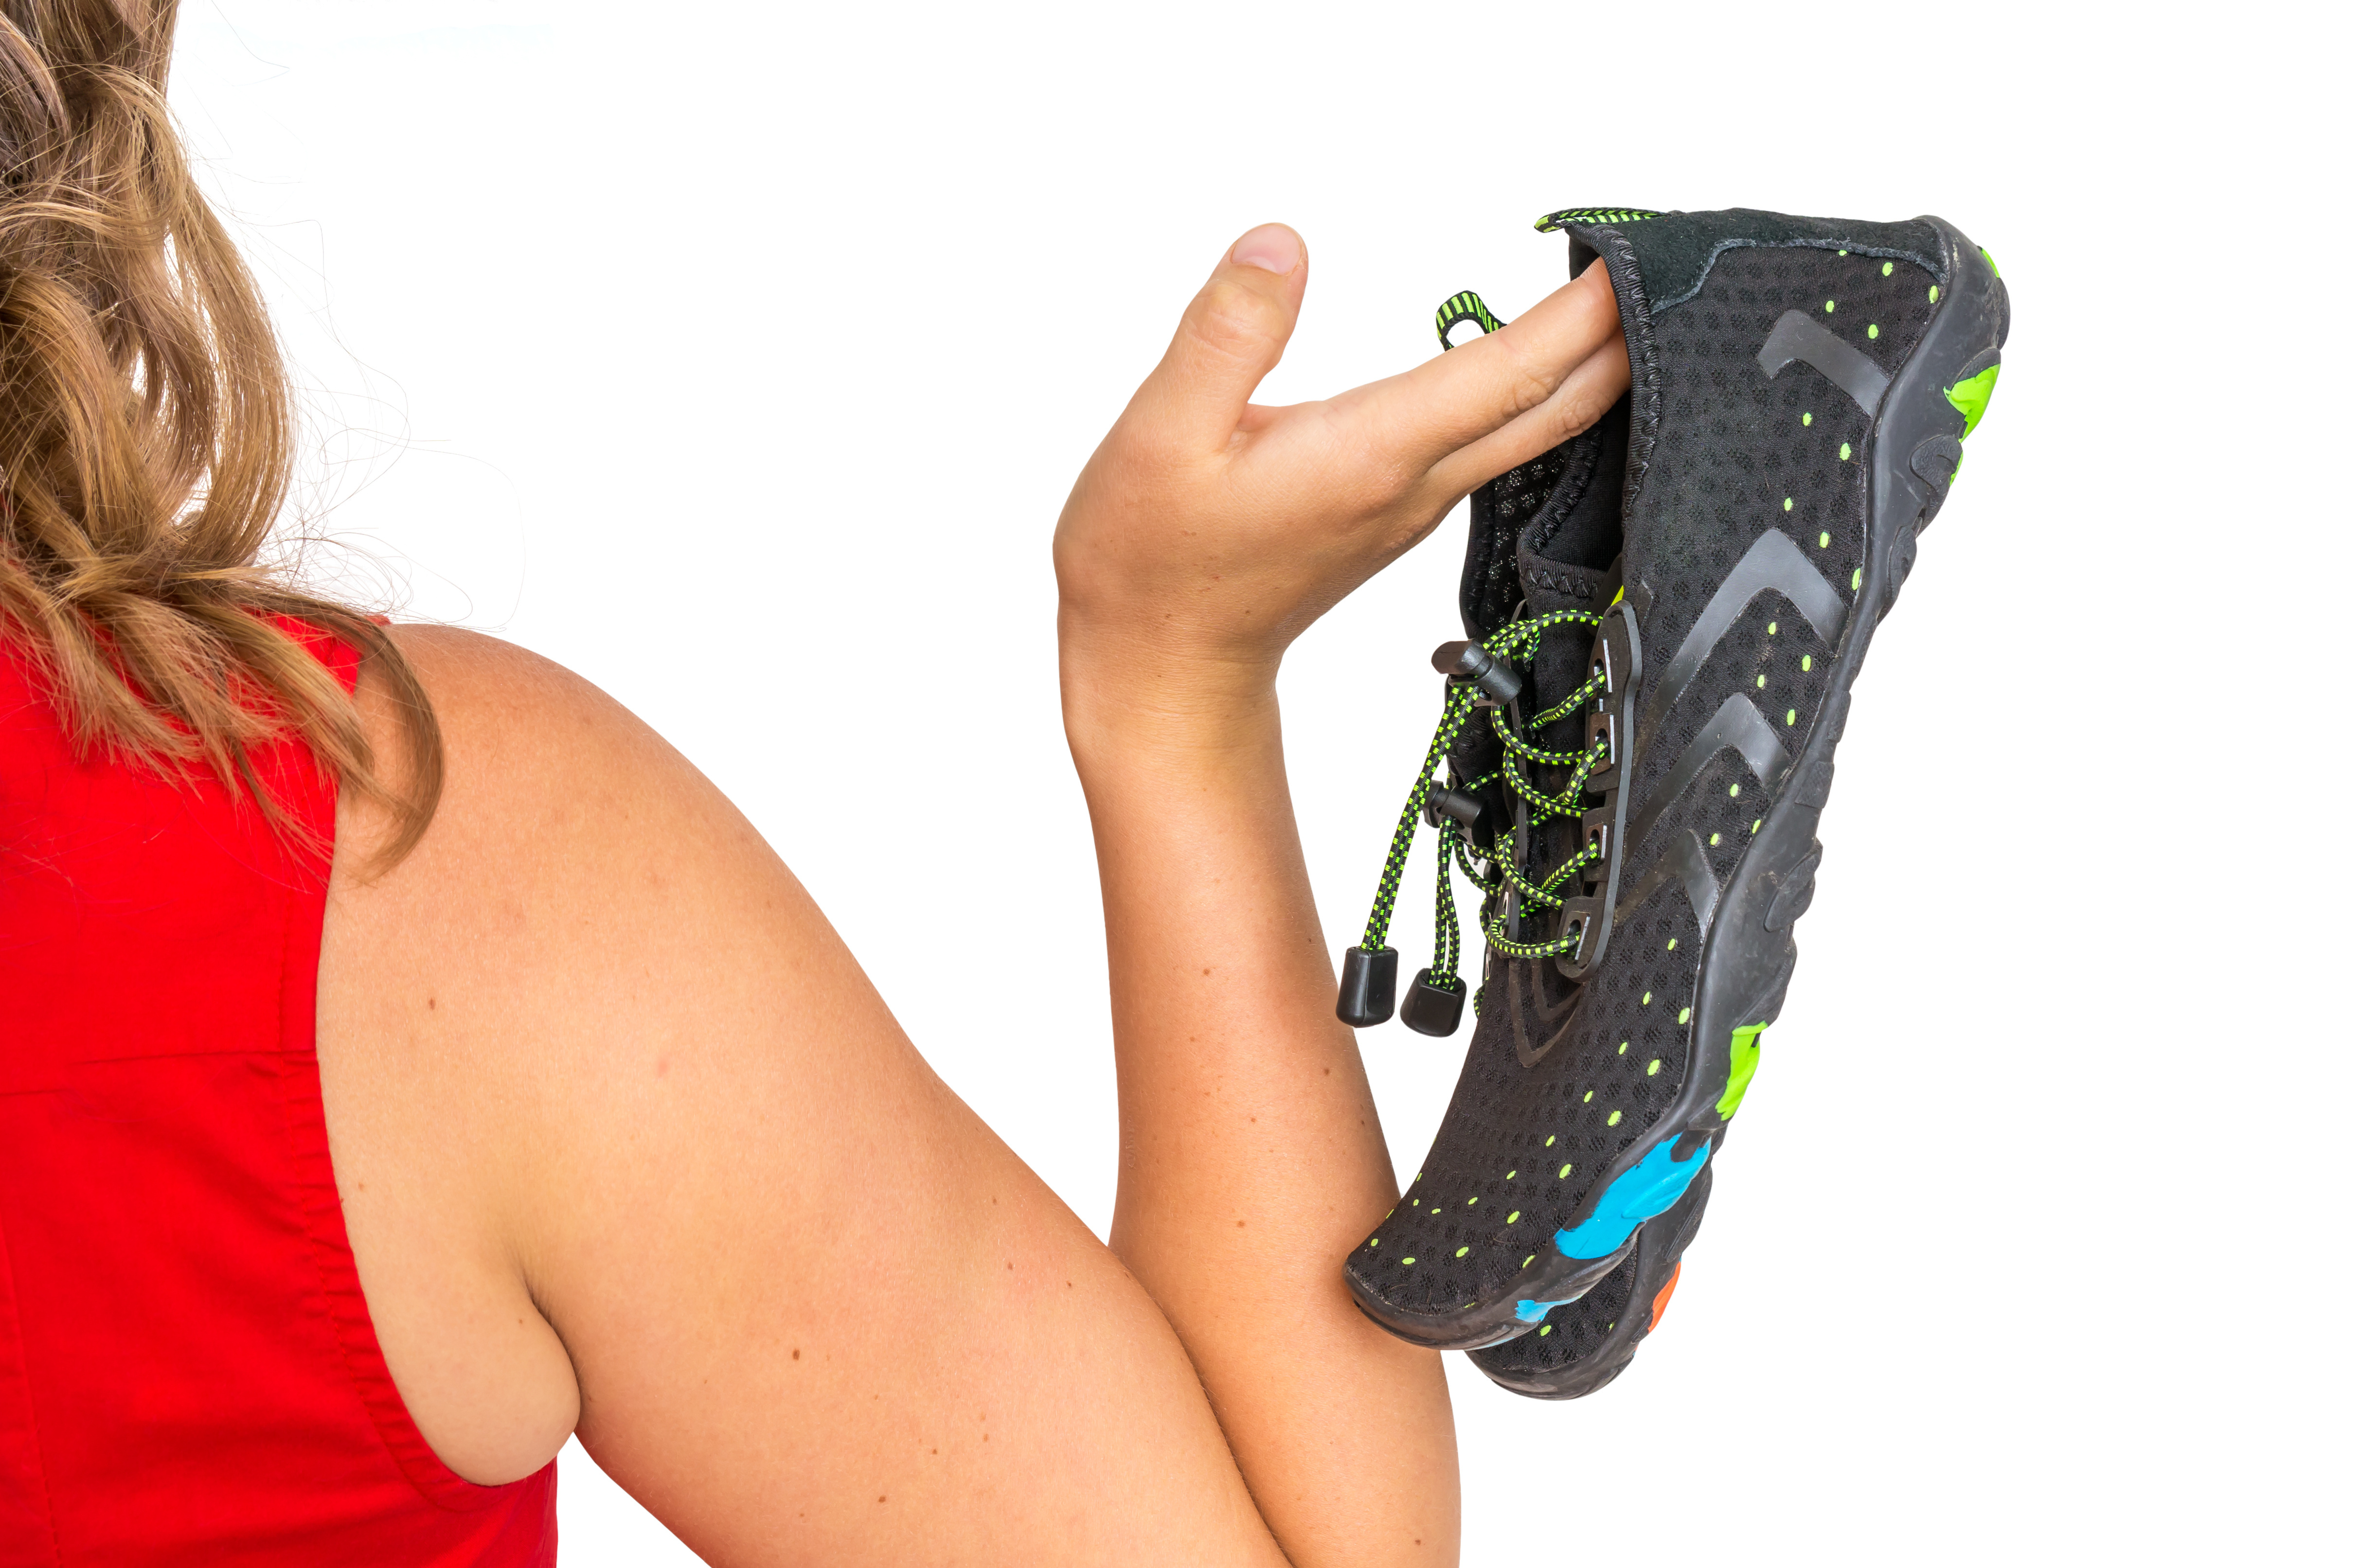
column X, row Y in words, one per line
column 1206, row 534
column 599, row 1074
column 1251, row 1151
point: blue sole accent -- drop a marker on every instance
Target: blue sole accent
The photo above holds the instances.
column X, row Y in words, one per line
column 1532, row 1312
column 1639, row 1194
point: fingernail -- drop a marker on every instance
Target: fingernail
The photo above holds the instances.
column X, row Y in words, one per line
column 1272, row 247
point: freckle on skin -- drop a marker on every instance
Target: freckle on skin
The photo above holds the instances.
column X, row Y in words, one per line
column 797, row 1355
column 430, row 1004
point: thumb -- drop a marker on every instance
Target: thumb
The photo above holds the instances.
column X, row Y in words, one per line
column 1232, row 335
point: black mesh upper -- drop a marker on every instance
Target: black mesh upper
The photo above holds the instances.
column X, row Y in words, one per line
column 1732, row 452
column 1528, row 1144
column 1723, row 455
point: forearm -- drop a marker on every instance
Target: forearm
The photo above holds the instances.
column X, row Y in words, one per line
column 1205, row 534
column 1251, row 1156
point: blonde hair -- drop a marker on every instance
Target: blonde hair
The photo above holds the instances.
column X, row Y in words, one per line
column 146, row 431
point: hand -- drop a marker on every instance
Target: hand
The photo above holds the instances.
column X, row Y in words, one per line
column 1207, row 531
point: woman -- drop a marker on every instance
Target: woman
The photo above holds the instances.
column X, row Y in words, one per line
column 372, row 1125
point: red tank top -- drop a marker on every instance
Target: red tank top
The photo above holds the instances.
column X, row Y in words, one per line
column 188, row 1374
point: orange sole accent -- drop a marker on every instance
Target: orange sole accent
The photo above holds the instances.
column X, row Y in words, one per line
column 1664, row 1299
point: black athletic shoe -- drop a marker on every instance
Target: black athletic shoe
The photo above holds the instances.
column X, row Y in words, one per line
column 1665, row 618
column 1583, row 1346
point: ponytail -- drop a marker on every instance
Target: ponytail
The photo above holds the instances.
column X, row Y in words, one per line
column 146, row 428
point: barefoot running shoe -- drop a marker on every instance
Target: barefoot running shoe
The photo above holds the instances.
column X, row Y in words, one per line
column 1665, row 617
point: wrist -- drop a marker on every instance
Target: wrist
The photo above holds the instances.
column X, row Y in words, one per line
column 1139, row 681
column 1129, row 693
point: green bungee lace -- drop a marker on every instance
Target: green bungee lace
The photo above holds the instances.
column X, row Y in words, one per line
column 1498, row 876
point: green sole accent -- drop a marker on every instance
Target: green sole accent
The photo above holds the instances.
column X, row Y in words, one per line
column 1989, row 261
column 1971, row 396
column 1744, row 1056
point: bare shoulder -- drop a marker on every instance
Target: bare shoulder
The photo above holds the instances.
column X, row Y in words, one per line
column 522, row 732
column 574, row 945
column 608, row 1058
column 585, row 911
column 441, row 979
column 536, row 942
column 566, row 827
column 585, row 898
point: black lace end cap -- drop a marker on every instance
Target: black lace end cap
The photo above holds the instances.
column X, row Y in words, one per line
column 1365, row 999
column 1431, row 1008
column 1495, row 678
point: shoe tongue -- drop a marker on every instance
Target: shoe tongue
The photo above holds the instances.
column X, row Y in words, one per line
column 1562, row 510
column 1575, row 540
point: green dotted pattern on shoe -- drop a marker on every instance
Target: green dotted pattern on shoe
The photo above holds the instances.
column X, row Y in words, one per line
column 1601, row 1096
column 1573, row 217
column 1466, row 306
column 1744, row 1056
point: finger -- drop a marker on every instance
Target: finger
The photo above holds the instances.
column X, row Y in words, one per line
column 1229, row 338
column 1461, row 397
column 1578, row 402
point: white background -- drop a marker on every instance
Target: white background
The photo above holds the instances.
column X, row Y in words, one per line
column 740, row 356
